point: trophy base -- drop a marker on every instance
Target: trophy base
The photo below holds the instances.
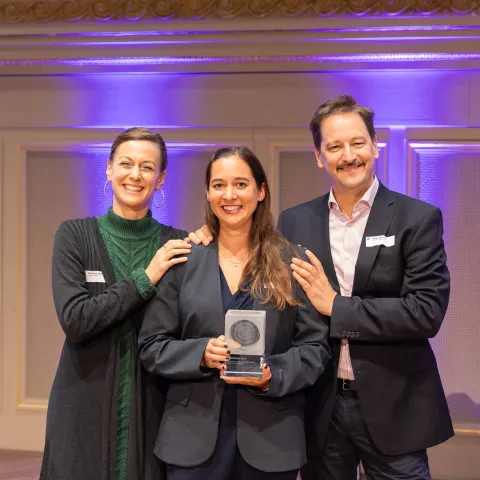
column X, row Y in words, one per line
column 244, row 366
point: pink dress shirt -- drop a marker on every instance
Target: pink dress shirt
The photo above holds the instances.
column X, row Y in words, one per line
column 345, row 239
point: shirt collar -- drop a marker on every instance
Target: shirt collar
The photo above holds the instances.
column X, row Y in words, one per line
column 368, row 197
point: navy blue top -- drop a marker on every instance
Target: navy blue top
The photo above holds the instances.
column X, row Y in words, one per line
column 240, row 300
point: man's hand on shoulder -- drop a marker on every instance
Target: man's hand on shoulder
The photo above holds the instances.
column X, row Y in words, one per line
column 314, row 282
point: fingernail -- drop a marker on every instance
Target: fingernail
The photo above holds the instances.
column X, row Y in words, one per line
column 228, row 351
column 225, row 345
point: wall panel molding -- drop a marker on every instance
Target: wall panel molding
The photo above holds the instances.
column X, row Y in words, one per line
column 246, row 45
column 443, row 143
column 416, row 148
column 97, row 10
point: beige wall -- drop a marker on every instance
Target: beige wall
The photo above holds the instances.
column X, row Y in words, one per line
column 55, row 130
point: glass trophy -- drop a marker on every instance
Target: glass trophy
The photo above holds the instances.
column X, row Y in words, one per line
column 245, row 337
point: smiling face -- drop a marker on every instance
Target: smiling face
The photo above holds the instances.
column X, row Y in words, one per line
column 347, row 153
column 233, row 193
column 135, row 173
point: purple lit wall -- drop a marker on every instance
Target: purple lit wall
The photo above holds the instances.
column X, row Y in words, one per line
column 433, row 106
column 184, row 190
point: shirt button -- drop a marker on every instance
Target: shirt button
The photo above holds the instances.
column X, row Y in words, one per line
column 347, row 255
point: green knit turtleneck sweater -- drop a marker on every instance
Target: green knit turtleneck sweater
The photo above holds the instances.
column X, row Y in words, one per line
column 131, row 245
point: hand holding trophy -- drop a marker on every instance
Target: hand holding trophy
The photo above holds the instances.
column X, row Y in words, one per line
column 216, row 353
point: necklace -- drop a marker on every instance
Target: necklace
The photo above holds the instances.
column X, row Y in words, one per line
column 235, row 264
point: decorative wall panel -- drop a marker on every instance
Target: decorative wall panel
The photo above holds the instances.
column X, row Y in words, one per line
column 449, row 177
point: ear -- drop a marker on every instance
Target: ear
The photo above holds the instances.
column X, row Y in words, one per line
column 161, row 179
column 109, row 171
column 261, row 193
column 207, row 195
column 318, row 156
column 375, row 148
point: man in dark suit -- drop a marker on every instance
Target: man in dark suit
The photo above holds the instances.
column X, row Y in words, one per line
column 378, row 270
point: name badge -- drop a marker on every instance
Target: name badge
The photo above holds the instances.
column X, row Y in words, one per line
column 380, row 240
column 92, row 276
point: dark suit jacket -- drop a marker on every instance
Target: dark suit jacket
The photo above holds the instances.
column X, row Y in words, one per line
column 186, row 312
column 399, row 299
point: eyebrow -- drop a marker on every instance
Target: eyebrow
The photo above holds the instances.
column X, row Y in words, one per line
column 236, row 178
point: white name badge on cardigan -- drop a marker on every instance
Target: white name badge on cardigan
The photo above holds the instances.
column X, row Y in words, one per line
column 92, row 276
column 380, row 240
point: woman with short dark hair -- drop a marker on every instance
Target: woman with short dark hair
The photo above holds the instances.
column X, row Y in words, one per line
column 104, row 272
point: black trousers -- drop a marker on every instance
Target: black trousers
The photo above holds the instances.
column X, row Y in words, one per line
column 348, row 442
column 226, row 463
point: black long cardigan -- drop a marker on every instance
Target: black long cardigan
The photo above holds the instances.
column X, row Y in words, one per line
column 81, row 421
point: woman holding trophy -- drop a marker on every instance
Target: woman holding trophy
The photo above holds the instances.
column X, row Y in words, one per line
column 236, row 337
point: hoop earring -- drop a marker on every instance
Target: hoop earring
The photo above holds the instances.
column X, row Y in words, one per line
column 104, row 189
column 163, row 199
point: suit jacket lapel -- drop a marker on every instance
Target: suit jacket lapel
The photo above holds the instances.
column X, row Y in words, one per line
column 211, row 279
column 324, row 253
column 381, row 215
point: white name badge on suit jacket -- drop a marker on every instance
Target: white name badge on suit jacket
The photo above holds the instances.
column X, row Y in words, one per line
column 92, row 276
column 380, row 240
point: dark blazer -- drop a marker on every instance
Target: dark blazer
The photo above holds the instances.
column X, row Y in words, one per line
column 81, row 419
column 186, row 312
column 399, row 299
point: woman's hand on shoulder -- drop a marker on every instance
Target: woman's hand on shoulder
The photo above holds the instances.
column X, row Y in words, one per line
column 171, row 253
column 202, row 235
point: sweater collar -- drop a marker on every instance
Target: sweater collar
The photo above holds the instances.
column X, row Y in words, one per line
column 128, row 229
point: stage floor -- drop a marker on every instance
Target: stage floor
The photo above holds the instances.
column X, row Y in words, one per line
column 16, row 465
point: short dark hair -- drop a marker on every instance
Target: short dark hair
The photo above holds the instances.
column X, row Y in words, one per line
column 142, row 133
column 340, row 104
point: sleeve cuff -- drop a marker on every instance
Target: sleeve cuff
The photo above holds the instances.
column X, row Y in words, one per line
column 145, row 288
column 274, row 388
column 275, row 383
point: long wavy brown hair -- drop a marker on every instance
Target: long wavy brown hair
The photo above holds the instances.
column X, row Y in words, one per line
column 270, row 278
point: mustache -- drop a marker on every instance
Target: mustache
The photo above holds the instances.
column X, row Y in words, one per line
column 355, row 163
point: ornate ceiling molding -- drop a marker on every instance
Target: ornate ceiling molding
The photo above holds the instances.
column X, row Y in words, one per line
column 41, row 11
